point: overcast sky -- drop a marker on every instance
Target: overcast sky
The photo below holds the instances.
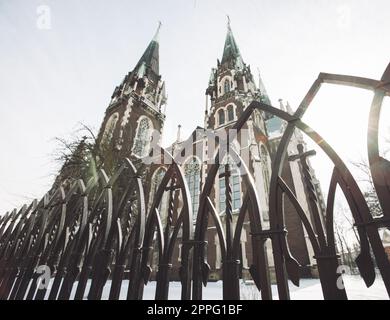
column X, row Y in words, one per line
column 53, row 78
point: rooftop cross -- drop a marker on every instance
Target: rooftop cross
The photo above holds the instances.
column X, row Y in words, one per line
column 301, row 154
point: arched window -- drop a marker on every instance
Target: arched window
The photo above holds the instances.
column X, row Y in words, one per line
column 258, row 118
column 234, row 181
column 110, row 128
column 221, row 116
column 143, row 137
column 230, row 111
column 264, row 167
column 156, row 181
column 192, row 174
column 226, row 86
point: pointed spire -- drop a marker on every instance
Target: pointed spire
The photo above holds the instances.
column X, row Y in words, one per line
column 178, row 138
column 281, row 105
column 289, row 109
column 150, row 58
column 262, row 89
column 230, row 50
column 157, row 34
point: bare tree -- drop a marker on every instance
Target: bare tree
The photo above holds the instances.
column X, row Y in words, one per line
column 78, row 156
column 369, row 192
column 347, row 239
column 364, row 168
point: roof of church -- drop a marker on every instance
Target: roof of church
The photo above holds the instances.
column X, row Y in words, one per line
column 151, row 55
column 230, row 50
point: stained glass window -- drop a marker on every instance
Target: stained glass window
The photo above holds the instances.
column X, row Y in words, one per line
column 226, row 86
column 221, row 116
column 230, row 111
column 110, row 127
column 142, row 139
column 156, row 181
column 264, row 168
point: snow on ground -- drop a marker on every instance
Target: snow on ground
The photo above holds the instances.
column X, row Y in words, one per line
column 309, row 289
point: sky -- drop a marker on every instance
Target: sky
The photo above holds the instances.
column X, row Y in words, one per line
column 61, row 60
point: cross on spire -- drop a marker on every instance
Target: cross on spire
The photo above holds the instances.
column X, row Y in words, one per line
column 230, row 50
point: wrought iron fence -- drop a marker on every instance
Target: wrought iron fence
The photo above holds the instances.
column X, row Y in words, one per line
column 102, row 230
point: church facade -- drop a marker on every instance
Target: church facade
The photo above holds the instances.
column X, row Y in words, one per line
column 136, row 110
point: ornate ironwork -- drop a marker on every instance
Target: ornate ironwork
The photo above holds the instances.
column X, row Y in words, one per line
column 99, row 231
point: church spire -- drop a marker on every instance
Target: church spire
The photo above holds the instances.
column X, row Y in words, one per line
column 156, row 35
column 150, row 58
column 263, row 91
column 230, row 50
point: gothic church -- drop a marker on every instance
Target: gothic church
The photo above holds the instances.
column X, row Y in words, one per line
column 137, row 107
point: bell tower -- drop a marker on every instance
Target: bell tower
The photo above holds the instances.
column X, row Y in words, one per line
column 231, row 87
column 135, row 110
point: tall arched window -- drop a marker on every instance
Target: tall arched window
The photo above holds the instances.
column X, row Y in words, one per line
column 143, row 137
column 192, row 174
column 234, row 183
column 226, row 86
column 230, row 112
column 221, row 116
column 264, row 167
column 110, row 127
column 156, row 181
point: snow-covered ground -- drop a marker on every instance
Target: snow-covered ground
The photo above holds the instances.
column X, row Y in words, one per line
column 309, row 289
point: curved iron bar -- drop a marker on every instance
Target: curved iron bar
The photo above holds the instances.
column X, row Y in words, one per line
column 73, row 241
column 363, row 261
column 259, row 267
column 165, row 238
column 100, row 223
column 18, row 230
column 21, row 251
column 10, row 221
column 53, row 231
column 15, row 265
column 230, row 243
column 102, row 266
column 55, row 206
column 379, row 167
column 130, row 244
column 361, row 213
